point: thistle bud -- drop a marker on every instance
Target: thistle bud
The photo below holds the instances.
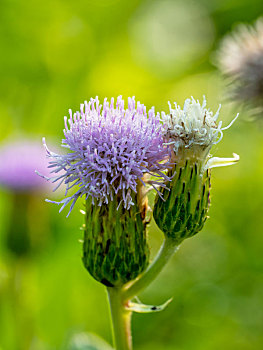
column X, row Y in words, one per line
column 181, row 210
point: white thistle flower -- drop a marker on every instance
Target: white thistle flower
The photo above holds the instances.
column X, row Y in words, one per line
column 193, row 130
column 190, row 132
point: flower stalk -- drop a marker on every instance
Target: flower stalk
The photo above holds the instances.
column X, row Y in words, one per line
column 166, row 252
column 119, row 298
column 121, row 320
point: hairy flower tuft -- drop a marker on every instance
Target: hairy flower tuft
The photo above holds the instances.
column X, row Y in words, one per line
column 111, row 149
column 193, row 127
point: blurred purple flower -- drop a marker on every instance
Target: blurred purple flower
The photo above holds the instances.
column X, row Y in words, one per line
column 18, row 161
column 111, row 151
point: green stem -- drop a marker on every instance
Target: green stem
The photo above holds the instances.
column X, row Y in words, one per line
column 167, row 250
column 121, row 320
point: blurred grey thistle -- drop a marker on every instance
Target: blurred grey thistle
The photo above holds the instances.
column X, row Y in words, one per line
column 240, row 59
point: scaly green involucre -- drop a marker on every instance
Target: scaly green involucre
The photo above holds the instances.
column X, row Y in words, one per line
column 115, row 250
column 184, row 210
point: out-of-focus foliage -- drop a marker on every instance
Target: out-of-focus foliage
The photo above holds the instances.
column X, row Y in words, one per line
column 56, row 54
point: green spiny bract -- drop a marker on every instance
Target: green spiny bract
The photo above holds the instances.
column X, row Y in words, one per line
column 115, row 249
column 183, row 210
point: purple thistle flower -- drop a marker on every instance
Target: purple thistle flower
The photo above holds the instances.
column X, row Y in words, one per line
column 18, row 160
column 111, row 151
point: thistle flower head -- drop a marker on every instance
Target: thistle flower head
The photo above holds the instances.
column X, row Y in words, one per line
column 191, row 132
column 18, row 160
column 240, row 57
column 192, row 128
column 111, row 149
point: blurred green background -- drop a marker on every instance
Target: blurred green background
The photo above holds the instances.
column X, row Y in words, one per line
column 53, row 56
